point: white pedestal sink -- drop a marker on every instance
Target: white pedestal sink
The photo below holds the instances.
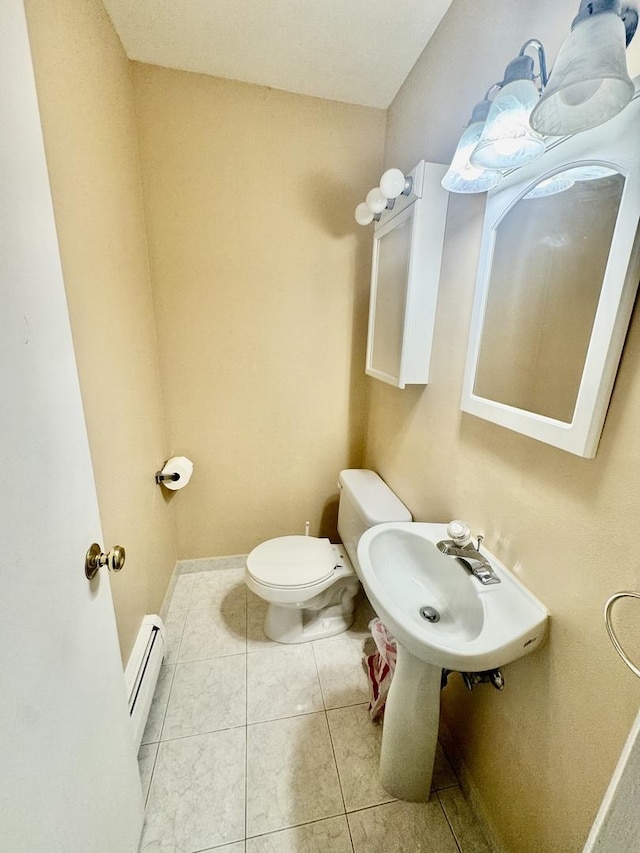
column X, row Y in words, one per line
column 479, row 628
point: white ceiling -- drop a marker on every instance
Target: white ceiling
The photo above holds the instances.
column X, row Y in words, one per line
column 358, row 51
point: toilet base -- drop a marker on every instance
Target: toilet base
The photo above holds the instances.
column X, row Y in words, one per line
column 297, row 625
column 303, row 614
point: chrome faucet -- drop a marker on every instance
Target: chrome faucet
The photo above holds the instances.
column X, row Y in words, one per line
column 476, row 562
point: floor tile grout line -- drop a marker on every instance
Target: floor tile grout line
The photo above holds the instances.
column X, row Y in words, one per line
column 153, row 770
column 193, row 586
column 211, row 657
column 166, row 708
column 271, row 646
column 335, row 761
column 225, row 843
column 315, row 660
column 184, row 623
column 201, row 734
column 374, row 805
column 289, row 717
column 349, row 705
column 295, row 826
column 446, row 817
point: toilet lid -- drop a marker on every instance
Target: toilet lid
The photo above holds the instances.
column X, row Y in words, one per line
column 292, row 561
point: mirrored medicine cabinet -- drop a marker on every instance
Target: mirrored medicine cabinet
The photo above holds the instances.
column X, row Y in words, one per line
column 405, row 273
column 557, row 278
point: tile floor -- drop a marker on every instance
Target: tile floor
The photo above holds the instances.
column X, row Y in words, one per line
column 256, row 747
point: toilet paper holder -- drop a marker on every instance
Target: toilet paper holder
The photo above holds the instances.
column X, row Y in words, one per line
column 175, row 473
column 160, row 477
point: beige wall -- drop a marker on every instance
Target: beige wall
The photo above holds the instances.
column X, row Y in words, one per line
column 541, row 752
column 260, row 283
column 88, row 118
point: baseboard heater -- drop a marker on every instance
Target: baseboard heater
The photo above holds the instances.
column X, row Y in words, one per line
column 142, row 671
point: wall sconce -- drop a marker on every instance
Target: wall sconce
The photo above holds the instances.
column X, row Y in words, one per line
column 393, row 183
column 590, row 82
column 507, row 140
column 461, row 176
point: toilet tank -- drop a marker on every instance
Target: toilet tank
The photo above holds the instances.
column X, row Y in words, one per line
column 365, row 500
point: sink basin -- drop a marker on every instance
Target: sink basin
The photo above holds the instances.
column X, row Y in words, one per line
column 476, row 627
column 479, row 628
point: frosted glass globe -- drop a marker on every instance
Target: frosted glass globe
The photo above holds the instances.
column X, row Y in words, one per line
column 589, row 83
column 507, row 140
column 363, row 214
column 550, row 186
column 461, row 176
column 376, row 201
column 392, row 183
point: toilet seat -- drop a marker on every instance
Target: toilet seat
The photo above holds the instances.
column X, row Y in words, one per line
column 292, row 562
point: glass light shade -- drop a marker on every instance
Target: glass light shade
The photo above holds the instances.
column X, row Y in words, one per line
column 507, row 140
column 363, row 214
column 392, row 183
column 590, row 173
column 550, row 186
column 589, row 83
column 461, row 176
column 375, row 200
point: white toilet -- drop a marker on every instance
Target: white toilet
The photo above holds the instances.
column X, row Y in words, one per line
column 309, row 583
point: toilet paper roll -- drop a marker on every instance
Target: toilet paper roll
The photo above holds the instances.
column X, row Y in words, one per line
column 177, row 465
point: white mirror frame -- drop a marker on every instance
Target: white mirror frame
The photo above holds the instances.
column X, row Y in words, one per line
column 614, row 144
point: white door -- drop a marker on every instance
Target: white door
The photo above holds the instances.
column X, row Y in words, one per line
column 68, row 773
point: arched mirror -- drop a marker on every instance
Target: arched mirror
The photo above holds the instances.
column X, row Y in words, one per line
column 557, row 277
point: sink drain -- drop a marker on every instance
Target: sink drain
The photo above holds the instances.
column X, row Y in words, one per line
column 430, row 614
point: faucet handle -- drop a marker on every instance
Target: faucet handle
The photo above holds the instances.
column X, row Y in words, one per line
column 459, row 532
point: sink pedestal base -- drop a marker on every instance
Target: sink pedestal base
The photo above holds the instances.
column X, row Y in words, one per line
column 410, row 733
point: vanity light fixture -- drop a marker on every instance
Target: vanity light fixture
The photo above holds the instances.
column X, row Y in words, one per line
column 507, row 140
column 393, row 184
column 589, row 83
column 461, row 176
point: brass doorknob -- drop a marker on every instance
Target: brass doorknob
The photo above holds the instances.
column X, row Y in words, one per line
column 114, row 559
